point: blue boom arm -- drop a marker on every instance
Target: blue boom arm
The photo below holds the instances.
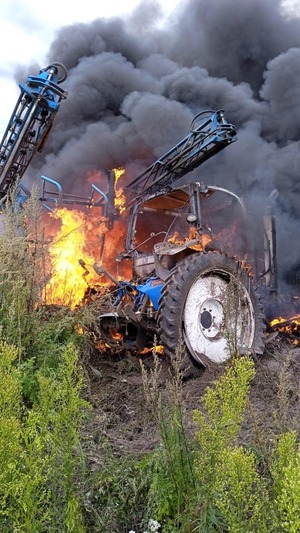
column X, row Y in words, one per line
column 209, row 138
column 30, row 124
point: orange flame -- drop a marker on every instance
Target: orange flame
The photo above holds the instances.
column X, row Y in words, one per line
column 286, row 325
column 193, row 234
column 76, row 248
column 159, row 349
column 71, row 275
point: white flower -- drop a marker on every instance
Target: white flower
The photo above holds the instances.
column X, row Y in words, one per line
column 153, row 526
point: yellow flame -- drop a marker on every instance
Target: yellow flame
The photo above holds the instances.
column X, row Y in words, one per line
column 70, row 277
column 289, row 325
column 120, row 199
column 159, row 349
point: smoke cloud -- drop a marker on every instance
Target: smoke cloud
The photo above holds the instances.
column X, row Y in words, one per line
column 134, row 87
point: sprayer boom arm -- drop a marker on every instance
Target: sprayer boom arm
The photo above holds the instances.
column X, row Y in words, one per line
column 204, row 141
column 30, row 124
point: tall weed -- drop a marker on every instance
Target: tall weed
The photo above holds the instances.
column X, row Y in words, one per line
column 173, row 479
column 240, row 493
column 117, row 494
column 218, row 423
column 285, row 488
column 10, row 435
column 41, row 464
column 22, row 249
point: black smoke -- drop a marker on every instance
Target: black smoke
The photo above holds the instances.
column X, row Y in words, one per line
column 134, row 87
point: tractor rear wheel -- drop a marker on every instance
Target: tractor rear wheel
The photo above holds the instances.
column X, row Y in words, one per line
column 211, row 308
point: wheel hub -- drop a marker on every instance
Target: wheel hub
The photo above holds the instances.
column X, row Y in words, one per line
column 211, row 318
column 206, row 319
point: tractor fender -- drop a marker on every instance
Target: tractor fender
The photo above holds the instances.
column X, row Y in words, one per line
column 152, row 288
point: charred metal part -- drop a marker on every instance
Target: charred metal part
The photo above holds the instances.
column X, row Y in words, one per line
column 59, row 198
column 83, row 265
column 161, row 271
column 110, row 207
column 134, row 317
column 271, row 273
column 100, row 270
column 194, row 217
column 144, row 265
column 179, row 211
column 170, row 248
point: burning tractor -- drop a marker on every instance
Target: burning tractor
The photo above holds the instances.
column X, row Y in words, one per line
column 196, row 276
column 191, row 292
column 195, row 270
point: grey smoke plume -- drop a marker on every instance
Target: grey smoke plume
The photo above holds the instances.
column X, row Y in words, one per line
column 134, row 89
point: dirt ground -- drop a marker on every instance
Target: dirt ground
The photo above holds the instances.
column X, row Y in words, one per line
column 121, row 417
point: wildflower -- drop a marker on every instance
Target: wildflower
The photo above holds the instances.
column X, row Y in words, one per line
column 153, row 526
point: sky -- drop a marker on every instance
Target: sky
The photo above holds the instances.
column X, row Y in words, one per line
column 137, row 78
column 27, row 29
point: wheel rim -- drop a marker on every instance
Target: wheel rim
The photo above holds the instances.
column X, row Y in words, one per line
column 218, row 318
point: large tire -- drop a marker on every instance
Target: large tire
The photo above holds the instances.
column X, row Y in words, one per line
column 211, row 308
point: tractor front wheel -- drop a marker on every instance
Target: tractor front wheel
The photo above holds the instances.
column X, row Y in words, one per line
column 211, row 307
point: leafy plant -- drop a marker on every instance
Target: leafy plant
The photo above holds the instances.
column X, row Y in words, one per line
column 285, row 489
column 173, row 479
column 116, row 495
column 40, row 455
column 240, row 495
column 218, row 422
